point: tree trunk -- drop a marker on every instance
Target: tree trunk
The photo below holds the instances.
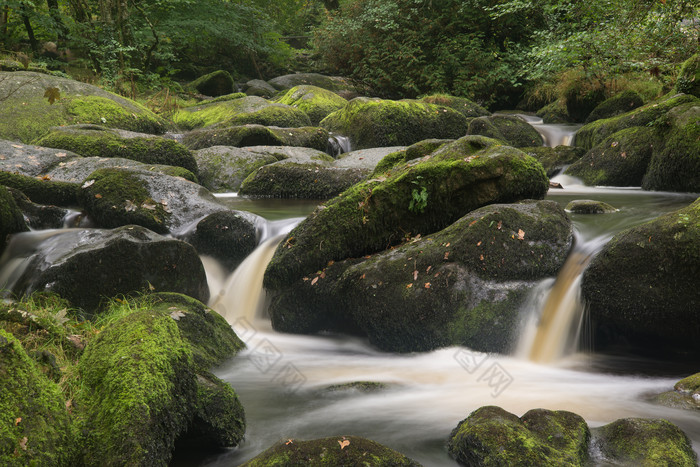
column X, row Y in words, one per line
column 30, row 31
column 56, row 16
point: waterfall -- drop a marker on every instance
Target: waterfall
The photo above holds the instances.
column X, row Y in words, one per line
column 554, row 134
column 338, row 145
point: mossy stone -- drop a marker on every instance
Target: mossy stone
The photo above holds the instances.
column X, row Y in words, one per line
column 690, row 384
column 414, row 151
column 39, row 216
column 11, row 219
column 688, row 81
column 258, row 87
column 618, row 104
column 462, row 105
column 241, row 111
column 27, row 115
column 42, row 191
column 361, row 386
column 644, row 442
column 258, row 135
column 581, row 99
column 138, row 393
column 589, row 206
column 217, row 83
column 345, row 451
column 336, row 84
column 223, row 168
column 510, row 129
column 555, row 112
column 491, row 436
column 378, row 123
column 626, row 286
column 316, row 102
column 555, row 159
column 102, row 142
column 35, row 427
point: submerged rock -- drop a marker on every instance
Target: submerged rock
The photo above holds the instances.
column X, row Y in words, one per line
column 85, row 266
column 640, row 441
column 336, row 450
column 378, row 123
column 97, row 141
column 28, row 115
column 491, row 436
column 316, row 102
column 589, row 206
column 35, row 426
column 641, row 289
column 510, row 129
column 258, row 135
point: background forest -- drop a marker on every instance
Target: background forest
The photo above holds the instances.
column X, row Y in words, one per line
column 499, row 53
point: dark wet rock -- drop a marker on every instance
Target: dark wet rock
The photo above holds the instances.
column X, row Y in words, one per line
column 85, row 266
column 336, row 450
column 11, row 218
column 491, row 436
column 510, row 129
column 96, row 141
column 590, row 206
column 617, row 105
column 554, row 160
column 258, row 87
column 641, row 441
column 217, row 83
column 39, row 216
column 36, row 426
column 379, row 123
column 258, row 135
column 361, row 386
column 626, row 286
column 555, row 112
column 316, row 102
column 27, row 114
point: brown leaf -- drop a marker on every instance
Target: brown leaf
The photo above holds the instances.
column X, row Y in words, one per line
column 314, row 280
column 623, row 155
column 362, row 276
column 479, row 243
column 323, row 275
column 500, row 224
column 17, row 146
column 52, row 94
column 481, row 257
column 98, row 196
column 429, row 268
column 415, row 274
column 447, row 253
column 473, row 222
column 289, row 441
column 23, row 443
column 61, row 154
column 408, row 286
column 427, row 285
column 521, row 234
column 344, row 443
column 18, row 420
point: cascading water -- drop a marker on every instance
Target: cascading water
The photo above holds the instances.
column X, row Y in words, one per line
column 338, row 145
column 553, row 134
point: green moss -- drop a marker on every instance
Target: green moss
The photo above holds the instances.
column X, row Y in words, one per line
column 554, row 160
column 382, row 123
column 414, row 151
column 217, row 83
column 333, row 451
column 118, row 197
column 509, row 129
column 618, row 104
column 104, row 143
column 460, row 104
column 258, row 135
column 589, row 206
column 490, row 436
column 219, row 419
column 690, row 384
column 138, row 394
column 555, row 112
column 688, row 81
column 104, row 111
column 227, row 97
column 645, row 442
column 35, row 427
column 316, row 102
column 42, row 191
column 11, row 219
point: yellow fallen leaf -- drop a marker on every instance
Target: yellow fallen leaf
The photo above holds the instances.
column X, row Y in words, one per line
column 18, row 420
column 521, row 234
column 344, row 443
column 23, row 443
column 427, row 285
column 408, row 286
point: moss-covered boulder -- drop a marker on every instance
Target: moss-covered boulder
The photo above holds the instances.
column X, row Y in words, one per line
column 510, row 129
column 399, row 155
column 85, row 266
column 96, row 141
column 138, row 390
column 217, row 83
column 555, row 159
column 417, row 198
column 620, row 160
column 316, row 102
column 641, row 289
column 688, row 81
column 590, row 206
column 35, row 427
column 581, row 98
column 39, row 216
column 162, row 203
column 462, row 105
column 686, row 394
column 258, row 135
column 11, row 219
column 337, row 84
column 258, row 87
column 378, row 123
column 645, row 442
column 491, row 436
column 33, row 161
column 617, row 105
column 42, row 190
column 555, row 112
column 226, row 235
column 289, row 179
column 366, row 159
column 343, row 451
column 241, row 111
column 27, row 114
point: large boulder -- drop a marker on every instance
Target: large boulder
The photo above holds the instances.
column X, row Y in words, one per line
column 97, row 141
column 510, row 129
column 316, row 102
column 42, row 190
column 555, row 112
column 640, row 441
column 241, row 111
column 11, row 219
column 371, row 216
column 399, row 155
column 339, row 85
column 27, row 114
column 35, row 427
column 85, row 266
column 462, row 105
column 165, row 204
column 685, row 394
column 377, row 123
column 217, row 83
column 40, row 216
column 641, row 289
column 688, row 81
column 616, row 105
column 258, row 135
column 258, row 87
column 336, row 450
column 491, row 436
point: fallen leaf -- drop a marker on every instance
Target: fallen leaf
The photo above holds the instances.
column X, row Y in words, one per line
column 149, row 206
column 415, row 274
column 447, row 244
column 17, row 420
column 88, row 183
column 479, row 243
column 289, row 441
column 500, row 224
column 315, row 279
column 69, row 404
column 521, row 234
column 615, row 143
column 23, row 443
column 429, row 268
column 408, row 286
column 623, row 155
column 427, row 285
column 362, row 276
column 52, row 94
column 61, row 154
column 323, row 275
column 473, row 222
column 17, row 146
column 447, row 253
column 177, row 314
column 344, row 443
column 481, row 257
column 98, row 196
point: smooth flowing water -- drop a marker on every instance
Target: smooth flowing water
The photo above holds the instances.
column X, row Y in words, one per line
column 282, row 380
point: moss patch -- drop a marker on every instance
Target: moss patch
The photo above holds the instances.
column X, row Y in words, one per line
column 316, row 102
column 11, row 219
column 618, row 104
column 688, row 81
column 462, row 105
column 258, row 135
column 42, row 191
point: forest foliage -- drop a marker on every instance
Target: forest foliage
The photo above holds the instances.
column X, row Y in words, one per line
column 494, row 52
